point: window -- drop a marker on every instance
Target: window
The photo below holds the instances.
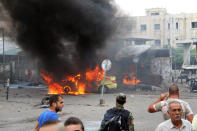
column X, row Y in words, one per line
column 157, row 26
column 154, row 13
column 194, row 24
column 177, row 25
column 143, row 27
column 158, row 42
column 168, row 26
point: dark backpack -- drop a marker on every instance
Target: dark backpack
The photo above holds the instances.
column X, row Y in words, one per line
column 116, row 120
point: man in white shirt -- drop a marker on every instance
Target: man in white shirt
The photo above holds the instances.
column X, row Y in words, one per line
column 175, row 123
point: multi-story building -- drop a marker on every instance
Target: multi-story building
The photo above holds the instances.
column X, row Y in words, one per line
column 163, row 28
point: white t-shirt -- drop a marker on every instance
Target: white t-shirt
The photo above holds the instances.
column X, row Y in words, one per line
column 194, row 123
column 163, row 106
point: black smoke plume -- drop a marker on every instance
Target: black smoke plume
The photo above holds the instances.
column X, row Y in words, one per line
column 63, row 35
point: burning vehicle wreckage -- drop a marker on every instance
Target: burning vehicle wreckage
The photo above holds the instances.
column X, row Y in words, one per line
column 135, row 67
column 88, row 82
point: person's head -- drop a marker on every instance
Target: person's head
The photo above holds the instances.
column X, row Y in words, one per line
column 56, row 102
column 121, row 99
column 174, row 90
column 175, row 111
column 52, row 125
column 73, row 124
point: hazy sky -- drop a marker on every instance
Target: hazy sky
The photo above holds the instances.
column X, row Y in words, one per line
column 137, row 7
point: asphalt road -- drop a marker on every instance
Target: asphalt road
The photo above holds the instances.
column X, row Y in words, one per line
column 20, row 112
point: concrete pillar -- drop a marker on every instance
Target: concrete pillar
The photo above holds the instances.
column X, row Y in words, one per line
column 186, row 55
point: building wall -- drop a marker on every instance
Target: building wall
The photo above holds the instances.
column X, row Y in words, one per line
column 167, row 35
column 162, row 66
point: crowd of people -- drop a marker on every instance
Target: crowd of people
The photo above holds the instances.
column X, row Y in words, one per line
column 177, row 114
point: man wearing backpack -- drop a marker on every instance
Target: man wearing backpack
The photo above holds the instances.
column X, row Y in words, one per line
column 117, row 118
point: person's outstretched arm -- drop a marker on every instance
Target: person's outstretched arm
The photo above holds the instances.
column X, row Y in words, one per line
column 151, row 108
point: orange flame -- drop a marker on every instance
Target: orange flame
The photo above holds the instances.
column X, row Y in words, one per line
column 95, row 75
column 77, row 85
column 54, row 88
column 127, row 80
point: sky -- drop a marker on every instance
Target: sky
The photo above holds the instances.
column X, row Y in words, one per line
column 137, row 7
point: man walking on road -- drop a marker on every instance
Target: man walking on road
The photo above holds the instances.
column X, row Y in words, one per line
column 56, row 105
column 175, row 123
column 162, row 102
column 117, row 118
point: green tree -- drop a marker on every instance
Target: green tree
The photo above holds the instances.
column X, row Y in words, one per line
column 177, row 57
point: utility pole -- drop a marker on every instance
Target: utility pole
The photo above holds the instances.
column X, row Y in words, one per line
column 3, row 59
column 3, row 62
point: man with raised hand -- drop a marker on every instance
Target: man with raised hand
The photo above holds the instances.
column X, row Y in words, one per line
column 162, row 102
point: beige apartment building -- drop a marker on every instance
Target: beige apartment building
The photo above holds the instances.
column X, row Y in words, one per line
column 161, row 29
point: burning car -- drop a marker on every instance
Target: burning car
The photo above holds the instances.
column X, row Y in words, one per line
column 90, row 81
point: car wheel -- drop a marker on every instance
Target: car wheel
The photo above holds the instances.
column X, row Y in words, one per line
column 67, row 89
